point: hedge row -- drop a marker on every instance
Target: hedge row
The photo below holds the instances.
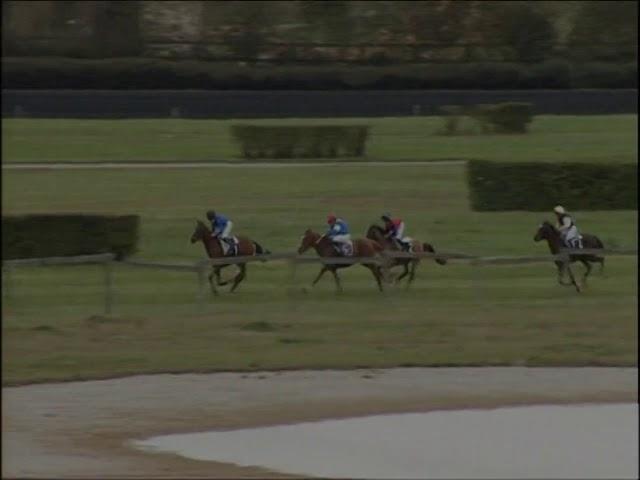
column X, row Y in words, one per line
column 508, row 117
column 318, row 141
column 533, row 187
column 141, row 73
column 41, row 236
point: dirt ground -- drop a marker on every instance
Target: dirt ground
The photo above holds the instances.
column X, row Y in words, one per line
column 81, row 429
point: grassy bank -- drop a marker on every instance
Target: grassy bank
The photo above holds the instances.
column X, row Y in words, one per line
column 453, row 315
column 609, row 138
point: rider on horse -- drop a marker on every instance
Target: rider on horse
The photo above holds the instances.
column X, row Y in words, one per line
column 567, row 228
column 394, row 230
column 338, row 233
column 221, row 228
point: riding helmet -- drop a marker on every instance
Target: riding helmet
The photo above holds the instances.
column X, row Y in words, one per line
column 559, row 210
column 331, row 218
column 211, row 214
column 386, row 216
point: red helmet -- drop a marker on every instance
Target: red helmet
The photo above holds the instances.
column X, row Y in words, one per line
column 331, row 218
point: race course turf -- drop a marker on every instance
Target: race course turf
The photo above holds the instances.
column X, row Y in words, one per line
column 601, row 138
column 458, row 314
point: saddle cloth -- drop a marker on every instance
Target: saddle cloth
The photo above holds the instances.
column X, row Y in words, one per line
column 406, row 244
column 575, row 243
column 345, row 248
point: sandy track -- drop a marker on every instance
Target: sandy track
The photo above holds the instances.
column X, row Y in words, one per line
column 80, row 428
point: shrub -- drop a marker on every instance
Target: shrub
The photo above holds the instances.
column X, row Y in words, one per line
column 502, row 186
column 146, row 73
column 314, row 141
column 39, row 236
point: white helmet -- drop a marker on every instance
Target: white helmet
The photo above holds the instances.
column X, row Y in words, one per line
column 559, row 210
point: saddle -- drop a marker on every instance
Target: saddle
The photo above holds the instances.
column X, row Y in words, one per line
column 405, row 245
column 575, row 243
column 229, row 246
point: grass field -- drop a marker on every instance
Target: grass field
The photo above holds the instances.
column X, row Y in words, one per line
column 453, row 315
column 608, row 138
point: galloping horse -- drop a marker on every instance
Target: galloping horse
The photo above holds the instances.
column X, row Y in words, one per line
column 362, row 247
column 246, row 247
column 548, row 232
column 376, row 233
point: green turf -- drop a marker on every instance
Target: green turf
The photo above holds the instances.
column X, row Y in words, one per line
column 454, row 315
column 606, row 138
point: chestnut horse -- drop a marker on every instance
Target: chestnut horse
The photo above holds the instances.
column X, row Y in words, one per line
column 376, row 233
column 548, row 232
column 246, row 247
column 362, row 247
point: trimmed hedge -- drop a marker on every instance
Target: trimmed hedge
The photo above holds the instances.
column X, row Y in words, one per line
column 146, row 73
column 314, row 141
column 40, row 236
column 533, row 187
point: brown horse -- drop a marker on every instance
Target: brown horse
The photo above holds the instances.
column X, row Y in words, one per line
column 548, row 232
column 212, row 246
column 362, row 247
column 376, row 233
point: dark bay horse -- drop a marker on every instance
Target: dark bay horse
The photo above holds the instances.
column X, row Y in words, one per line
column 362, row 247
column 246, row 247
column 376, row 233
column 551, row 234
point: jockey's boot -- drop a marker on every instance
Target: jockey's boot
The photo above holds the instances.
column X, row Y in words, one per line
column 232, row 247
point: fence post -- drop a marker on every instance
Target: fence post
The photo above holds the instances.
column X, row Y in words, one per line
column 108, row 287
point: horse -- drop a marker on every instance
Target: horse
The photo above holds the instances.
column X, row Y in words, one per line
column 362, row 247
column 213, row 247
column 376, row 233
column 546, row 231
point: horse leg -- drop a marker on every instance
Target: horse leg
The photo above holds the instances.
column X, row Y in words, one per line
column 337, row 279
column 219, row 280
column 573, row 279
column 403, row 274
column 377, row 273
column 412, row 274
column 601, row 262
column 239, row 277
column 211, row 284
column 586, row 273
column 561, row 272
column 322, row 271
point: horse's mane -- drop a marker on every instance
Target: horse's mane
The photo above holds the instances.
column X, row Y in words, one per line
column 376, row 227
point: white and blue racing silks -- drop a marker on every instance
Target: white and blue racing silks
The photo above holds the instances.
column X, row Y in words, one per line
column 219, row 223
column 338, row 228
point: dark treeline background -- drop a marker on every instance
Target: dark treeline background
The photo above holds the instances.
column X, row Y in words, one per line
column 579, row 43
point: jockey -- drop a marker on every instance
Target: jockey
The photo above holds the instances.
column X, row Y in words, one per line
column 394, row 229
column 338, row 232
column 567, row 228
column 221, row 227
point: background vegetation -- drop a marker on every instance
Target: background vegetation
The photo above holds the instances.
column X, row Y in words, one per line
column 227, row 44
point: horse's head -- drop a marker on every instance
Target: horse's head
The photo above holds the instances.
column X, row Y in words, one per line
column 375, row 232
column 309, row 239
column 545, row 231
column 200, row 233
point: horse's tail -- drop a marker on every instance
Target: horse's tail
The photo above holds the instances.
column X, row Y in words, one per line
column 427, row 247
column 260, row 250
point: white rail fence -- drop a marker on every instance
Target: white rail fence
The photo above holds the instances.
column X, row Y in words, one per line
column 202, row 267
